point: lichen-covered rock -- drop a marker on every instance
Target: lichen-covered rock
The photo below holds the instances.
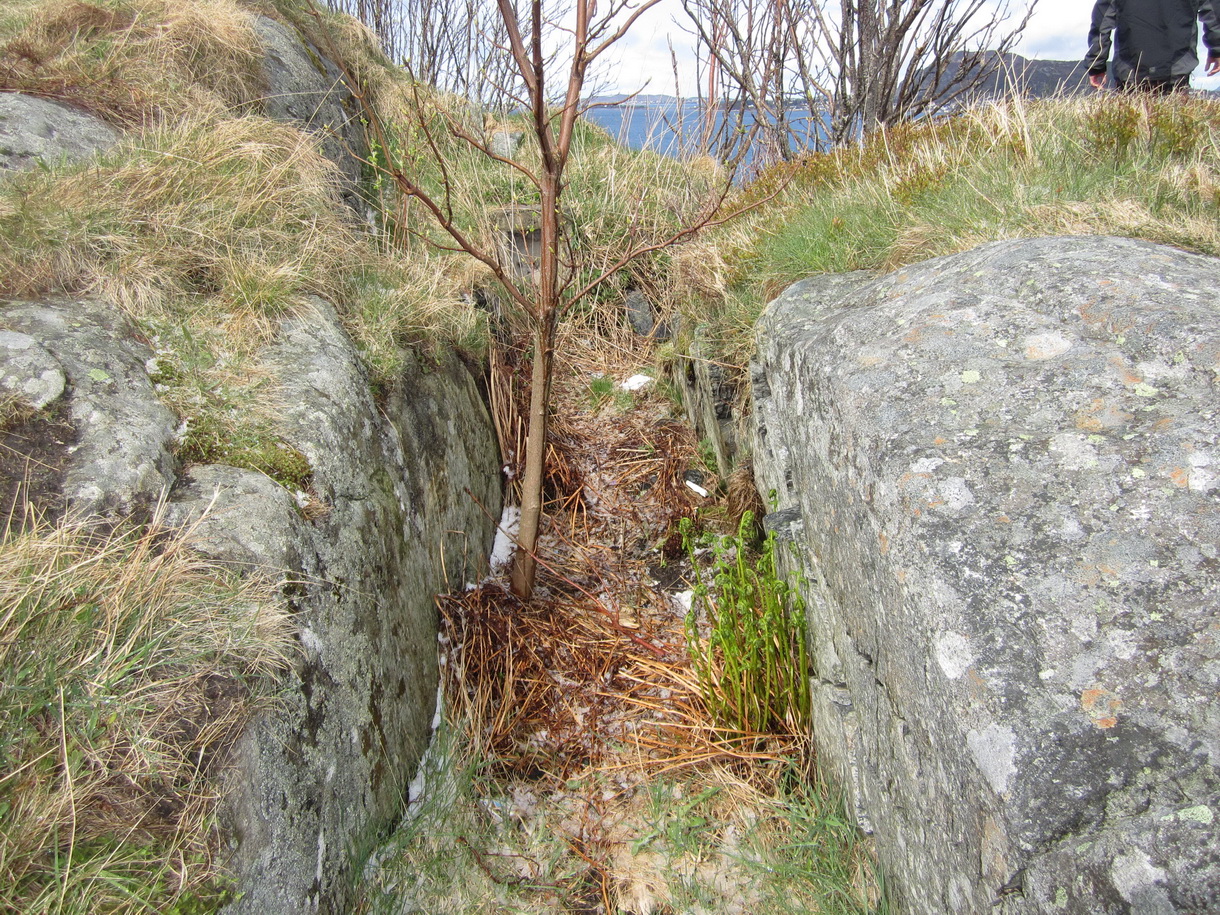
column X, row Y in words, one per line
column 34, row 130
column 122, row 460
column 305, row 87
column 1007, row 468
column 404, row 488
column 408, row 485
column 28, row 372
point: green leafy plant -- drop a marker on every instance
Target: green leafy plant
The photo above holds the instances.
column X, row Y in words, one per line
column 752, row 665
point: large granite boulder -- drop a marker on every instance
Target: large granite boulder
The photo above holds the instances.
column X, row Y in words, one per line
column 34, row 130
column 404, row 487
column 1005, row 469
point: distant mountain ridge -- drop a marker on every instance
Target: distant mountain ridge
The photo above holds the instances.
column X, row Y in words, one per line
column 1011, row 74
column 1006, row 74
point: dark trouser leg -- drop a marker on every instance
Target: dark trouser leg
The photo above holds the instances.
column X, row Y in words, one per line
column 1157, row 86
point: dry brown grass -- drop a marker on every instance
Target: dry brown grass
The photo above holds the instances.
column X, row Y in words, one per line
column 137, row 61
column 235, row 215
column 128, row 665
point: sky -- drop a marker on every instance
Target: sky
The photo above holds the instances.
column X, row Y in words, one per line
column 1058, row 30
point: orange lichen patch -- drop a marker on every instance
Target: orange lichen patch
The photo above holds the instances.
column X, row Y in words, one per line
column 1003, row 519
column 1162, row 424
column 940, row 440
column 913, row 336
column 979, row 690
column 1100, row 415
column 1087, row 575
column 1180, row 477
column 1101, row 706
column 885, row 542
column 1045, row 349
column 1125, row 372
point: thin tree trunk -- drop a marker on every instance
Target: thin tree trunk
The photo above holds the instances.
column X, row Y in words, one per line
column 524, row 564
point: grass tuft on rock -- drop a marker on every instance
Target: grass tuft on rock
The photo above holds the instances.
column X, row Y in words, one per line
column 133, row 62
column 1136, row 167
column 128, row 665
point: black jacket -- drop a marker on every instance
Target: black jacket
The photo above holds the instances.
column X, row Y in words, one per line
column 1156, row 38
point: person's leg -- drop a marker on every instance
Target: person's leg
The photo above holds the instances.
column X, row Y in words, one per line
column 1158, row 86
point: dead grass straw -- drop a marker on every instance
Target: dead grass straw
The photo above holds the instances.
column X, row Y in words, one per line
column 128, row 665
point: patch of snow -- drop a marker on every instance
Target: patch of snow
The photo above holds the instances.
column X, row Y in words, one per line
column 637, row 382
column 683, row 600
column 505, row 544
column 418, row 788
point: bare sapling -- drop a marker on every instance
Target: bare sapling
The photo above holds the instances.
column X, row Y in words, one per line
column 556, row 283
column 849, row 66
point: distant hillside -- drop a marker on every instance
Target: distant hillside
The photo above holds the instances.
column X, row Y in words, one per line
column 1011, row 74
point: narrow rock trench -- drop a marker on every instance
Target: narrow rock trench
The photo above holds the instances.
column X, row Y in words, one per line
column 576, row 767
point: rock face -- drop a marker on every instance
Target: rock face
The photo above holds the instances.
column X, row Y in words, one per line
column 1007, row 471
column 121, row 461
column 408, row 483
column 37, row 129
column 304, row 86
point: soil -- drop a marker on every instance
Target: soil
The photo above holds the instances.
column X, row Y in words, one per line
column 34, row 452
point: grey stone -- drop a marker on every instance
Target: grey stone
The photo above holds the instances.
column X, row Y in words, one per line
column 411, row 484
column 642, row 316
column 1006, row 462
column 34, row 130
column 29, row 372
column 240, row 517
column 787, row 525
column 504, row 143
column 305, row 87
column 123, row 459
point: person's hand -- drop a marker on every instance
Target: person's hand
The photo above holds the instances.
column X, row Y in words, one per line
column 1098, row 80
column 1213, row 64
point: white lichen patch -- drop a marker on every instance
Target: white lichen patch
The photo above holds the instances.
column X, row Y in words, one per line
column 994, row 750
column 956, row 494
column 953, row 654
column 1140, row 883
column 1046, row 345
column 1200, row 477
column 926, row 465
column 1073, row 451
